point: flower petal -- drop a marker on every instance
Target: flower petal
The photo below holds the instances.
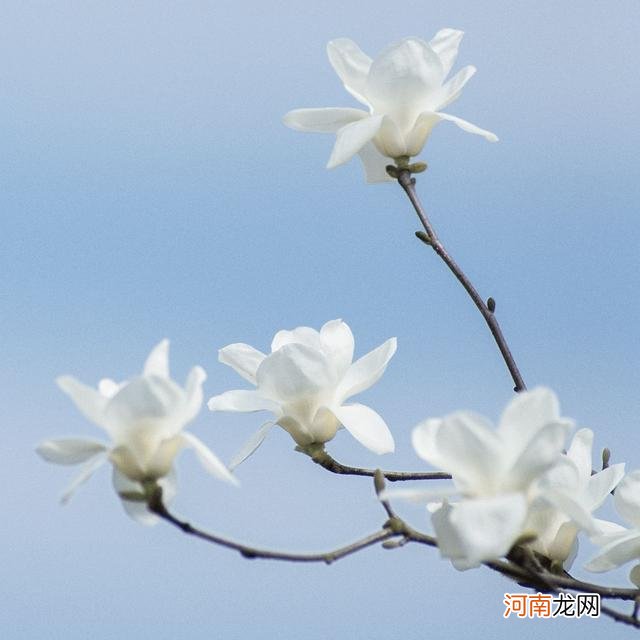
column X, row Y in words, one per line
column 527, row 413
column 300, row 335
column 469, row 128
column 86, row 472
column 326, row 120
column 464, row 445
column 242, row 400
column 627, row 498
column 352, row 137
column 243, row 359
column 481, row 529
column 580, row 452
column 69, row 450
column 421, row 130
column 135, row 509
column 367, row 427
column 193, row 393
column 374, row 164
column 601, row 484
column 250, row 446
column 208, row 459
column 295, row 372
column 420, row 496
column 108, row 388
column 366, row 371
column 337, row 342
column 87, row 400
column 616, row 553
column 452, row 89
column 157, row 363
column 352, row 66
column 446, row 43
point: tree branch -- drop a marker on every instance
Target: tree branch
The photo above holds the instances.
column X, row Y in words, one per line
column 486, row 308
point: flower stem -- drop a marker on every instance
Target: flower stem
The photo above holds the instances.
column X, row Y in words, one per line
column 486, row 308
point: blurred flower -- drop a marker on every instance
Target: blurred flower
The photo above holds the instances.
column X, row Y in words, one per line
column 404, row 89
column 619, row 544
column 494, row 471
column 567, row 495
column 144, row 418
column 304, row 382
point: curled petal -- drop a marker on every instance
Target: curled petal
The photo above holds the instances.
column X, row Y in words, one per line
column 250, row 446
column 366, row 371
column 300, row 335
column 352, row 66
column 157, row 363
column 352, row 137
column 337, row 342
column 243, row 359
column 69, row 450
column 616, row 553
column 446, row 43
column 469, row 127
column 242, row 400
column 601, row 484
column 579, row 451
column 208, row 459
column 367, row 427
column 374, row 164
column 87, row 400
column 452, row 89
column 85, row 473
column 327, row 120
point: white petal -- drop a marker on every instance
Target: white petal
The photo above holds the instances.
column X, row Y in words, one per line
column 157, row 363
column 445, row 43
column 295, row 372
column 367, row 427
column 421, row 130
column 572, row 508
column 243, row 359
column 352, row 66
column 580, row 452
column 419, row 496
column 469, row 128
column 87, row 400
column 337, row 342
column 208, row 459
column 464, row 445
column 69, row 450
column 327, row 120
column 108, row 388
column 616, row 553
column 540, row 454
column 627, row 498
column 366, row 371
column 374, row 164
column 452, row 89
column 242, row 400
column 85, row 473
column 134, row 509
column 352, row 137
column 481, row 529
column 193, row 393
column 601, row 484
column 250, row 446
column 300, row 335
column 527, row 413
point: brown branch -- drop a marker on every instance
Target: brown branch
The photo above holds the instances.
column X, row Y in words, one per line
column 487, row 309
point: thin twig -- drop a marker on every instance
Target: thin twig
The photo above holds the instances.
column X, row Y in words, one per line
column 157, row 506
column 322, row 458
column 486, row 308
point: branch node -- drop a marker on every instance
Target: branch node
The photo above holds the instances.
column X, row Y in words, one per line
column 421, row 235
column 491, row 304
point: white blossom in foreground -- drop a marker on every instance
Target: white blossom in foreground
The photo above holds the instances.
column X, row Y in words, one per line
column 404, row 89
column 493, row 470
column 145, row 418
column 567, row 495
column 304, row 382
column 620, row 545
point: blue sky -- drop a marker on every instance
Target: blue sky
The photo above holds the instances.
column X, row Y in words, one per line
column 148, row 189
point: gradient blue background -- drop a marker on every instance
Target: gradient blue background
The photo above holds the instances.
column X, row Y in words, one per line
column 149, row 189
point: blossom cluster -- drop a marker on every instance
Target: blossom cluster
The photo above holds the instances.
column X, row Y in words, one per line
column 524, row 481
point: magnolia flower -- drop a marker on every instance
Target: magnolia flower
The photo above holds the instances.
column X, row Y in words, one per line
column 567, row 496
column 404, row 89
column 493, row 471
column 304, row 382
column 145, row 418
column 619, row 544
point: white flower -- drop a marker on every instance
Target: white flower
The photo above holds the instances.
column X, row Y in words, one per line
column 619, row 544
column 567, row 496
column 304, row 382
column 145, row 418
column 493, row 470
column 404, row 89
